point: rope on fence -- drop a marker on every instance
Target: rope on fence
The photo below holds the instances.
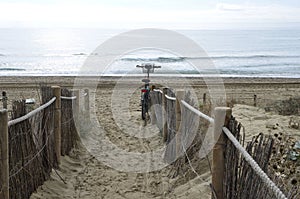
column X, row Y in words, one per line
column 157, row 90
column 197, row 112
column 68, row 98
column 32, row 113
column 170, row 98
column 271, row 185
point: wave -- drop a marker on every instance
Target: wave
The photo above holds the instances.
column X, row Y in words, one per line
column 255, row 56
column 163, row 59
column 158, row 59
column 180, row 59
column 265, row 65
column 12, row 69
column 79, row 54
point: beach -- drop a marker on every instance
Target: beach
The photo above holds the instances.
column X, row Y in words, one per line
column 149, row 99
column 82, row 175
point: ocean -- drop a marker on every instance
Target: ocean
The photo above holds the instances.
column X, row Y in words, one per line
column 235, row 53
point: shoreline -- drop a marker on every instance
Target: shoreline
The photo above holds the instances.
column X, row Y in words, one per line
column 68, row 81
column 240, row 90
column 6, row 79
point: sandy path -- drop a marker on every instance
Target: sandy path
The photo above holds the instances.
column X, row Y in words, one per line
column 87, row 177
column 106, row 182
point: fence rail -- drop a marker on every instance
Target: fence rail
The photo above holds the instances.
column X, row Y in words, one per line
column 197, row 112
column 32, row 113
column 68, row 98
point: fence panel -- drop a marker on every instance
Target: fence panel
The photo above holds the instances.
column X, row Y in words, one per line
column 241, row 181
column 156, row 101
column 170, row 154
column 189, row 125
column 32, row 143
column 31, row 153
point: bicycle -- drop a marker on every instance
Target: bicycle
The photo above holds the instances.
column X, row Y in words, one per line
column 145, row 92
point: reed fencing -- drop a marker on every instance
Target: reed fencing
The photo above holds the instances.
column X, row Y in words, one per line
column 32, row 143
column 241, row 181
column 236, row 172
column 168, row 113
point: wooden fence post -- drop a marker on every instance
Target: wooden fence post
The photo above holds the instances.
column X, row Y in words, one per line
column 204, row 98
column 164, row 114
column 255, row 100
column 76, row 105
column 4, row 99
column 4, row 159
column 179, row 97
column 57, row 121
column 222, row 118
column 86, row 103
column 152, row 105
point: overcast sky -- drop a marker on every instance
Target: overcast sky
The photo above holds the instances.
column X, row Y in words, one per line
column 171, row 14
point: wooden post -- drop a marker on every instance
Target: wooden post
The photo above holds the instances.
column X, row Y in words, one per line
column 164, row 114
column 4, row 100
column 153, row 114
column 153, row 87
column 86, row 103
column 76, row 105
column 57, row 121
column 222, row 118
column 255, row 100
column 4, row 159
column 179, row 97
column 204, row 98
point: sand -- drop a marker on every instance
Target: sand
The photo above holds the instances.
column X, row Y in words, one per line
column 84, row 175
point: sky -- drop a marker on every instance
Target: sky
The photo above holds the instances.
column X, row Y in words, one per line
column 171, row 14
